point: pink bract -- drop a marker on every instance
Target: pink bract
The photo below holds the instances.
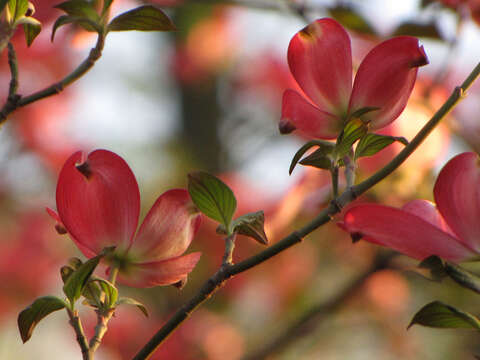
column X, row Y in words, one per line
column 420, row 229
column 98, row 203
column 320, row 59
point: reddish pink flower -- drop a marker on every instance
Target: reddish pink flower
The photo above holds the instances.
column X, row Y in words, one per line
column 320, row 60
column 420, row 229
column 98, row 203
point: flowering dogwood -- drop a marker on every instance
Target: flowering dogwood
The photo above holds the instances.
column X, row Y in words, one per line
column 320, row 59
column 98, row 204
column 420, row 229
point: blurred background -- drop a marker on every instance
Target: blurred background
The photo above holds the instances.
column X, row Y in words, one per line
column 208, row 97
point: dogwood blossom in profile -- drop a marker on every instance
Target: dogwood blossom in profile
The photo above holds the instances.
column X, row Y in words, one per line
column 320, row 59
column 420, row 229
column 98, row 204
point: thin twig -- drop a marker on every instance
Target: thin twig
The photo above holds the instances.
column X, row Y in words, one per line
column 225, row 272
column 229, row 247
column 12, row 98
column 6, row 33
column 12, row 63
column 81, row 338
column 334, row 175
column 13, row 104
column 103, row 317
column 313, row 316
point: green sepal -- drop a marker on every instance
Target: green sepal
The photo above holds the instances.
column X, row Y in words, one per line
column 129, row 301
column 31, row 28
column 110, row 291
column 76, row 282
column 432, row 268
column 353, row 130
column 324, row 146
column 143, row 18
column 84, row 22
column 66, row 272
column 370, row 144
column 80, row 9
column 351, row 19
column 439, row 315
column 251, row 225
column 32, row 314
column 92, row 293
column 17, row 9
column 212, row 197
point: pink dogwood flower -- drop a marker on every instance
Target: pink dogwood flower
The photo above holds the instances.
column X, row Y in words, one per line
column 98, row 204
column 320, row 59
column 420, row 229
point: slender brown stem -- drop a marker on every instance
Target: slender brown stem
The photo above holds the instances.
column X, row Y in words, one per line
column 13, row 103
column 226, row 272
column 12, row 63
column 103, row 317
column 6, row 33
column 334, row 176
column 229, row 247
column 81, row 338
column 313, row 317
column 13, row 98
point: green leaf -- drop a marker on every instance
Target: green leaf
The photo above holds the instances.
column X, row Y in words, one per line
column 351, row 19
column 325, row 147
column 427, row 30
column 439, row 315
column 463, row 277
column 251, row 225
column 84, row 22
column 143, row 18
column 212, row 197
column 318, row 159
column 111, row 292
column 354, row 130
column 92, row 293
column 432, row 268
column 31, row 316
column 370, row 144
column 80, row 9
column 17, row 9
column 130, row 301
column 76, row 282
column 32, row 28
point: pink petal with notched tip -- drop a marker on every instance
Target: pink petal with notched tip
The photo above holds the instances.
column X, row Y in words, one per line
column 457, row 194
column 99, row 206
column 168, row 228
column 298, row 113
column 385, row 79
column 403, row 232
column 320, row 59
column 166, row 272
